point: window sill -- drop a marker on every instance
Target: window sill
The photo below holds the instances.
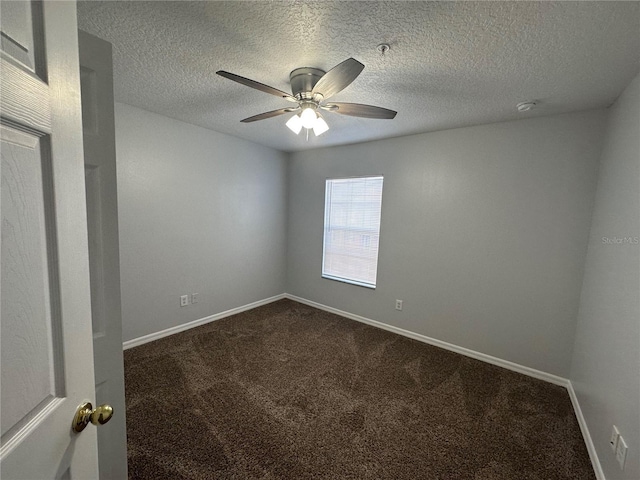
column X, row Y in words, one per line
column 351, row 282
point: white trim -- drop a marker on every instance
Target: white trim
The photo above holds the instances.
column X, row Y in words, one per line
column 196, row 323
column 591, row 448
column 531, row 372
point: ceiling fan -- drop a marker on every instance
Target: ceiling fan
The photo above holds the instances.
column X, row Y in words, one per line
column 310, row 88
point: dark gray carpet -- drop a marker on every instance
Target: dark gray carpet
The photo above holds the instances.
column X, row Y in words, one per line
column 286, row 391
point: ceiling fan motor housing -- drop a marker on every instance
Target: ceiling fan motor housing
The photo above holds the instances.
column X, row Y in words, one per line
column 303, row 80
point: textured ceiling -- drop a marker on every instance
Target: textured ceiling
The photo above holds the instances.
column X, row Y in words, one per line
column 451, row 64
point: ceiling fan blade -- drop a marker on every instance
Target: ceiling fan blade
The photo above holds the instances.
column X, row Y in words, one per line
column 272, row 113
column 257, row 85
column 359, row 110
column 338, row 78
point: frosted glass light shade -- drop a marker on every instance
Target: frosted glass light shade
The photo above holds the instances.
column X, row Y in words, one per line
column 320, row 126
column 295, row 124
column 308, row 117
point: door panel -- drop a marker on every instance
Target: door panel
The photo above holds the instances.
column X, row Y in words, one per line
column 45, row 318
column 97, row 272
column 17, row 39
column 31, row 321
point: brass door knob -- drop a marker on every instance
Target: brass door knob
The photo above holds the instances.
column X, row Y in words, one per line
column 86, row 413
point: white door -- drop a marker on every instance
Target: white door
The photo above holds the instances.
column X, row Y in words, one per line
column 96, row 80
column 45, row 316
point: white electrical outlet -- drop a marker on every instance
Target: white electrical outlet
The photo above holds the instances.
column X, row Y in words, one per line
column 621, row 452
column 194, row 298
column 398, row 304
column 613, row 441
column 184, row 300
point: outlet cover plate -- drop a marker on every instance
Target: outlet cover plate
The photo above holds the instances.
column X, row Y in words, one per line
column 184, row 300
column 613, row 441
column 621, row 452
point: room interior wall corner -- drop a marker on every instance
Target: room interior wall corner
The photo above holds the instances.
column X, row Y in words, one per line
column 605, row 366
column 199, row 212
column 287, row 228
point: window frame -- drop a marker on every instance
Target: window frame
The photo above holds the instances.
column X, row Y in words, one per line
column 350, row 281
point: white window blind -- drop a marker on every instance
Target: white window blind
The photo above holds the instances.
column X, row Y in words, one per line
column 352, row 230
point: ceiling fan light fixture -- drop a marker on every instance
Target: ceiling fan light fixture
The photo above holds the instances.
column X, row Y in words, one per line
column 295, row 124
column 320, row 126
column 308, row 117
column 310, row 87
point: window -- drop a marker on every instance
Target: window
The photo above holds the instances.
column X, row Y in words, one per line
column 352, row 230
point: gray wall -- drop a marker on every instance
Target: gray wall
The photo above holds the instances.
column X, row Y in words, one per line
column 605, row 370
column 484, row 233
column 199, row 212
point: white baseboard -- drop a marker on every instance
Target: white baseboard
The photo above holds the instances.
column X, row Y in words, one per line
column 531, row 372
column 591, row 448
column 196, row 323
